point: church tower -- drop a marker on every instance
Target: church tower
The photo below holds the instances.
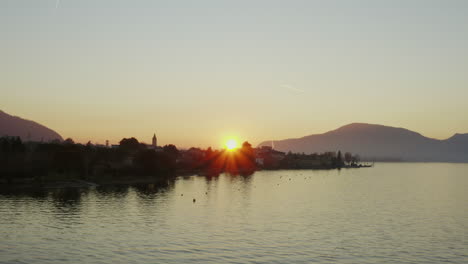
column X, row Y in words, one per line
column 155, row 141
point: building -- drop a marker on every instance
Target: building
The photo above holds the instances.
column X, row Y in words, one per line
column 266, row 156
column 154, row 144
column 155, row 141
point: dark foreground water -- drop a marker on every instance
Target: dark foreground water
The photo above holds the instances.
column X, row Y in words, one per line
column 392, row 213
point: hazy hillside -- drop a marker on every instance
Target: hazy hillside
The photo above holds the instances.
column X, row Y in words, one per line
column 377, row 142
column 27, row 130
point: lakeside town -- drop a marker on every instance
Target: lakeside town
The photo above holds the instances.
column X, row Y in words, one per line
column 56, row 163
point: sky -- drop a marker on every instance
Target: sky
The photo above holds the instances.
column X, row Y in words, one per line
column 199, row 72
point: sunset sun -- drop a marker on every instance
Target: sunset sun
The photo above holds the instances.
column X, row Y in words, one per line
column 231, row 144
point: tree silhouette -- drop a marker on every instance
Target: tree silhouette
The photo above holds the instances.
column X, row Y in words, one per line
column 339, row 159
column 171, row 150
column 130, row 144
column 69, row 141
column 348, row 157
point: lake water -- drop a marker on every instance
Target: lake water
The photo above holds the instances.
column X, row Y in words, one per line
column 392, row 213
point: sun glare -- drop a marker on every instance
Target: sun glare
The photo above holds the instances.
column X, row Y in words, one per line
column 231, row 144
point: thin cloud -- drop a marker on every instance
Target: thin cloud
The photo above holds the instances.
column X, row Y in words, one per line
column 292, row 88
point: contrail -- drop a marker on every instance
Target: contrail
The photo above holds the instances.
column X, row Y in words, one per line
column 57, row 4
column 292, row 88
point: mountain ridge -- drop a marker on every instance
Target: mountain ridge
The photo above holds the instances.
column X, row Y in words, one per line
column 380, row 142
column 27, row 130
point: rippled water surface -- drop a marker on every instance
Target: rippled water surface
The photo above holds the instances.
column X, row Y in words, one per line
column 392, row 213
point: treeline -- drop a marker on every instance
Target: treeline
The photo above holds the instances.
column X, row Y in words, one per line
column 55, row 161
column 326, row 160
column 52, row 161
column 67, row 160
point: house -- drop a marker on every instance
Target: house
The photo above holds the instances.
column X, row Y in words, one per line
column 267, row 157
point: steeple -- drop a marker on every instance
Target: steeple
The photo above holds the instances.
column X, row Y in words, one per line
column 155, row 141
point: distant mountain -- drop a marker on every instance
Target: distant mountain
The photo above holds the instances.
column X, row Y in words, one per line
column 377, row 142
column 25, row 129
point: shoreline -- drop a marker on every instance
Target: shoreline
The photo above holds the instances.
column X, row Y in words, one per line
column 33, row 183
column 75, row 183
